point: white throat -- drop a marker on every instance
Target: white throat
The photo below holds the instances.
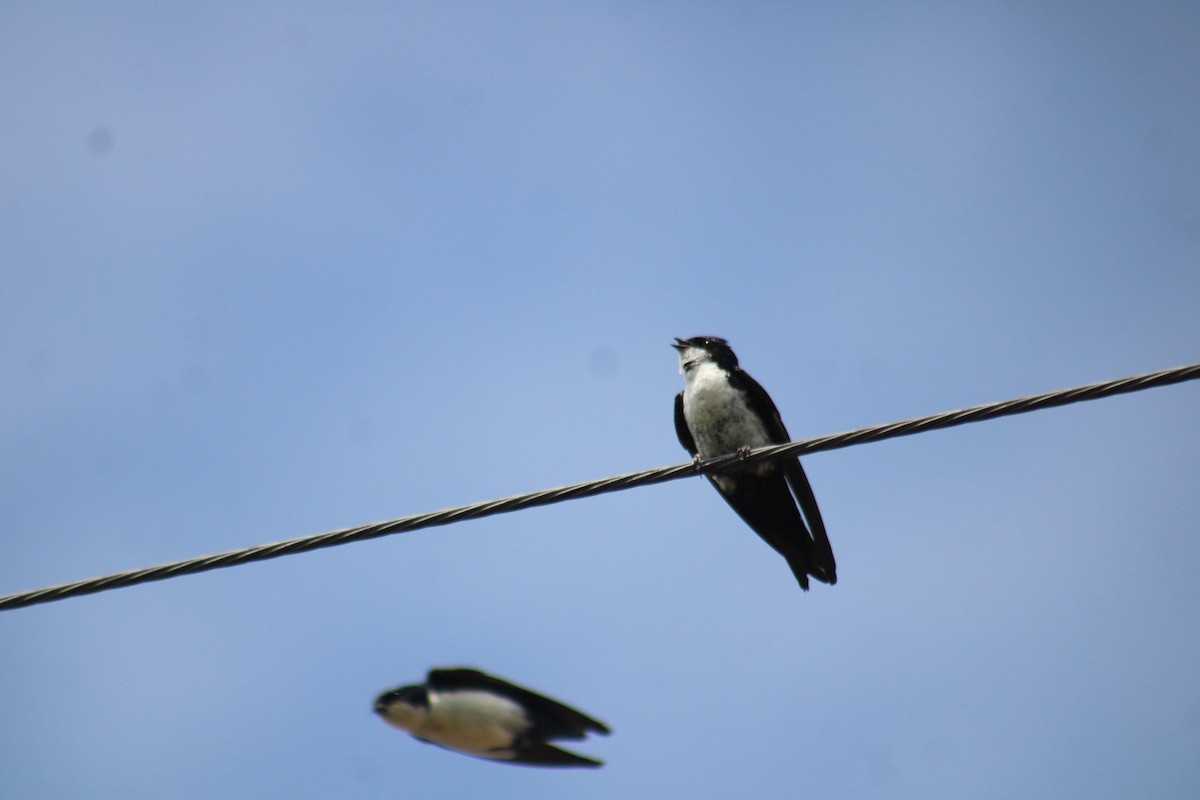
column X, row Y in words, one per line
column 694, row 356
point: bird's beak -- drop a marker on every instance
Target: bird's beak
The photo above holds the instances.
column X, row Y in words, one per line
column 680, row 344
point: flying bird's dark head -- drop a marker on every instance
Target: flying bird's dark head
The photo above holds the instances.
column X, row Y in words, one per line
column 699, row 349
column 403, row 707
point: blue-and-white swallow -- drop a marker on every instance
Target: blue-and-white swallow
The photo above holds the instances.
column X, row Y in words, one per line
column 723, row 410
column 478, row 714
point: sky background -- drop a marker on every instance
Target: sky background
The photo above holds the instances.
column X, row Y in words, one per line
column 271, row 269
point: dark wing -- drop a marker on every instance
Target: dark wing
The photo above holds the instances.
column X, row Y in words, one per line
column 761, row 402
column 535, row 755
column 765, row 504
column 551, row 719
column 547, row 755
column 681, row 427
column 823, row 566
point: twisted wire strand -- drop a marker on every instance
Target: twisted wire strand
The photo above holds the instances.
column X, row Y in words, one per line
column 614, row 484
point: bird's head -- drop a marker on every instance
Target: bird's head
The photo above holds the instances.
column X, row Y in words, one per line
column 700, row 349
column 404, row 707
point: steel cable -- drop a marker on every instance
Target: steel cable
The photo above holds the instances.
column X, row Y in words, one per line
column 589, row 488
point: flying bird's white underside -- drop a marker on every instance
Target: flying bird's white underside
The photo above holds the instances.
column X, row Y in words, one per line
column 478, row 723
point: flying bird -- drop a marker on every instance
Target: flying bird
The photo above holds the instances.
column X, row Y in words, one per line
column 723, row 410
column 484, row 716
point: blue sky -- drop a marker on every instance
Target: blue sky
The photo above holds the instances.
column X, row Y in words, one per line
column 271, row 269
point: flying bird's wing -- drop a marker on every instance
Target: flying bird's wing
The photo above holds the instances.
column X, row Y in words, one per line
column 551, row 719
column 547, row 755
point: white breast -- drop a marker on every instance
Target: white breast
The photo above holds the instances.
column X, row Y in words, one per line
column 718, row 415
column 478, row 723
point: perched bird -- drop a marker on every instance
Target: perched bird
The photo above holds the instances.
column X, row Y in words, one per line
column 481, row 715
column 723, row 410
